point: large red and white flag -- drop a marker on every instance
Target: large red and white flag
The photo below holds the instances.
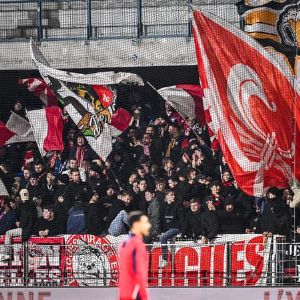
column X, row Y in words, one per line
column 47, row 125
column 38, row 87
column 251, row 98
column 16, row 130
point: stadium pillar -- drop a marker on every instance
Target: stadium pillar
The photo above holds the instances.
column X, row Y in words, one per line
column 139, row 20
column 89, row 32
column 39, row 21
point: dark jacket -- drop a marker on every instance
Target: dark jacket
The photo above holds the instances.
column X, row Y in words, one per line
column 94, row 222
column 27, row 216
column 230, row 222
column 154, row 217
column 7, row 221
column 76, row 192
column 43, row 224
column 171, row 216
column 275, row 218
column 176, row 151
column 201, row 224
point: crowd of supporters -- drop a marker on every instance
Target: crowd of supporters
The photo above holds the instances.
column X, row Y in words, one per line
column 161, row 165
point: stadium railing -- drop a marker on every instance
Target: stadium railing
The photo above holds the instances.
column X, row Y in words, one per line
column 83, row 260
column 47, row 20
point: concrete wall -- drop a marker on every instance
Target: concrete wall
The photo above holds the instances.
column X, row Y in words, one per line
column 109, row 18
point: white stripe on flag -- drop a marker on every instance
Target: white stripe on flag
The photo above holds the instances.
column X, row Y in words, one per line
column 180, row 100
column 3, row 190
column 21, row 128
column 39, row 124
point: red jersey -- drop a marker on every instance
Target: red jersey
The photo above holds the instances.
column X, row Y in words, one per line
column 133, row 269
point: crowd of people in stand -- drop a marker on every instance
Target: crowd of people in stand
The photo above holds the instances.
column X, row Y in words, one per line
column 162, row 165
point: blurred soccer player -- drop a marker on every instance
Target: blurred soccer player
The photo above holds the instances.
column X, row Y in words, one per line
column 133, row 276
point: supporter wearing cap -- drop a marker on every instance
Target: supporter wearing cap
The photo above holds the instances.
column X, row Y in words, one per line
column 96, row 179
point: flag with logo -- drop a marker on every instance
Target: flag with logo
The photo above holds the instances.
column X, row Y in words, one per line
column 38, row 87
column 16, row 130
column 251, row 100
column 275, row 24
column 47, row 125
column 89, row 100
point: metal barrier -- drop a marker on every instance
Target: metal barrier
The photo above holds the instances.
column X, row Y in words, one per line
column 46, row 20
column 73, row 261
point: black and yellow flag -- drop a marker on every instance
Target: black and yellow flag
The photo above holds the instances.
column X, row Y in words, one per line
column 275, row 24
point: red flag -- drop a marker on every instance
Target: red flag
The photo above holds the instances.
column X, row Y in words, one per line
column 39, row 87
column 250, row 99
column 47, row 125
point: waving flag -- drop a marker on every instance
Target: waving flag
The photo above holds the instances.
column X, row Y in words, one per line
column 251, row 99
column 275, row 24
column 187, row 100
column 47, row 126
column 39, row 88
column 89, row 100
column 16, row 130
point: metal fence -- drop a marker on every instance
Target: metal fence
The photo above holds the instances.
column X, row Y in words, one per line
column 190, row 265
column 46, row 20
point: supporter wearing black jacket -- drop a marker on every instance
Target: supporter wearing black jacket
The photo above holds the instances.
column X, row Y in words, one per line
column 175, row 143
column 34, row 187
column 171, row 213
column 76, row 190
column 200, row 223
column 47, row 190
column 96, row 179
column 231, row 221
column 171, row 222
column 275, row 219
column 26, row 215
column 47, row 224
column 94, row 219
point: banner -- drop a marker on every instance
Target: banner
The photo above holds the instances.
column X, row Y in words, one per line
column 89, row 261
column 44, row 266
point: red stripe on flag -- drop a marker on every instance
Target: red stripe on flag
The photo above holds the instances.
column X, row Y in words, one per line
column 121, row 119
column 54, row 138
column 5, row 134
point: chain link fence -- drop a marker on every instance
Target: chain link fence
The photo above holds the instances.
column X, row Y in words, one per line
column 102, row 19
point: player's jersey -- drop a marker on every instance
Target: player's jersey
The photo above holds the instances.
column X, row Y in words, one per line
column 133, row 269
